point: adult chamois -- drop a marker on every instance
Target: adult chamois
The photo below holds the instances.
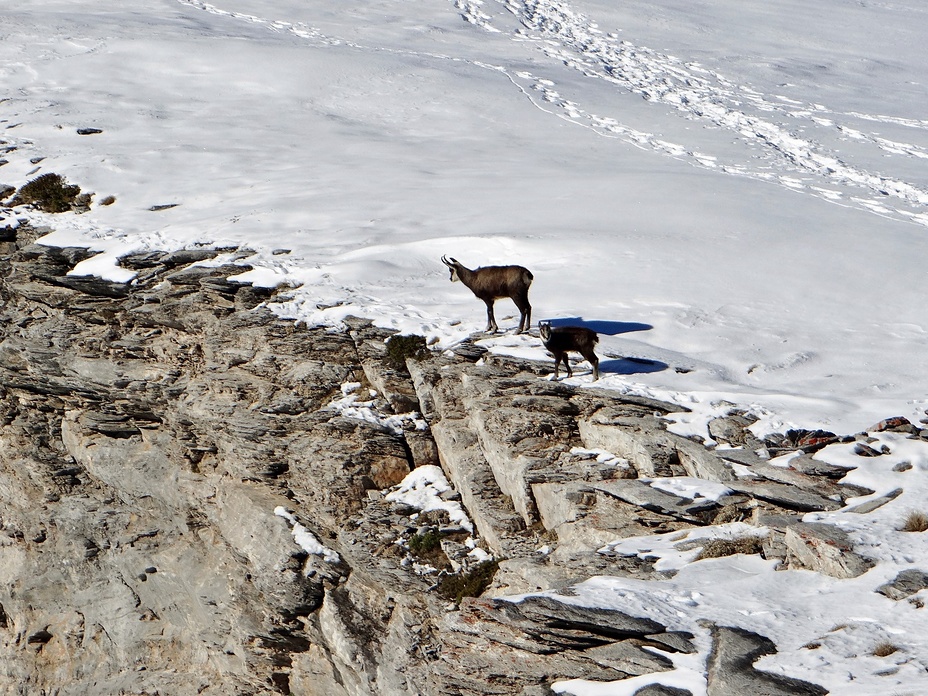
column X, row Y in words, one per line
column 561, row 339
column 492, row 282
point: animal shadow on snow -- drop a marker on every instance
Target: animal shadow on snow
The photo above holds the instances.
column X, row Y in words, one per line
column 616, row 366
column 603, row 328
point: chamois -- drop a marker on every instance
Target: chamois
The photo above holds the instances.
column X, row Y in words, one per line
column 560, row 339
column 491, row 282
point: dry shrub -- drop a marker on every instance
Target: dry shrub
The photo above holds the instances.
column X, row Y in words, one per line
column 884, row 649
column 730, row 513
column 716, row 548
column 470, row 584
column 49, row 193
column 427, row 548
column 399, row 348
column 916, row 521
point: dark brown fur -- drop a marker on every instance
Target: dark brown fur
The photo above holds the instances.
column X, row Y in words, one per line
column 561, row 339
column 492, row 282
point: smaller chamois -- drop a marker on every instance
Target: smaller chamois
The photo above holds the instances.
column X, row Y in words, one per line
column 492, row 282
column 561, row 339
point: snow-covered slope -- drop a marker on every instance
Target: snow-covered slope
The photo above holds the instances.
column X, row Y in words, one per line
column 735, row 193
column 744, row 186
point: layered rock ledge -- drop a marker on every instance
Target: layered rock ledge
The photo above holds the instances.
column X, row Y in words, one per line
column 164, row 444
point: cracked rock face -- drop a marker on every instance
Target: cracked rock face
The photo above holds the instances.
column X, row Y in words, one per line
column 171, row 465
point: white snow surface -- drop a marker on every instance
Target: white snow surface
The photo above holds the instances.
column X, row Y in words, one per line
column 305, row 539
column 352, row 404
column 733, row 193
column 422, row 490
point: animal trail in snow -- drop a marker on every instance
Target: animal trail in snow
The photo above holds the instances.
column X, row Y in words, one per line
column 786, row 159
column 697, row 93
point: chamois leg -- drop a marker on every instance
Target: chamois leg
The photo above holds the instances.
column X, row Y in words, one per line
column 594, row 361
column 491, row 320
column 525, row 322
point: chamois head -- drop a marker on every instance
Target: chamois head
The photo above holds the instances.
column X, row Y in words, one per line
column 544, row 331
column 491, row 282
column 453, row 265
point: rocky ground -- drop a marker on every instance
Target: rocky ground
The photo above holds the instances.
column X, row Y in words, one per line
column 160, row 441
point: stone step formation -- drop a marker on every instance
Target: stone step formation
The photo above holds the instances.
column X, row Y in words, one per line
column 172, row 460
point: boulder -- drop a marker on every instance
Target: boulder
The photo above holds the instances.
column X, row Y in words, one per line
column 824, row 548
column 905, row 584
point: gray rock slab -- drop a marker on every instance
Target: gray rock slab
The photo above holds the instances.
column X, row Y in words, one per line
column 875, row 503
column 652, row 450
column 739, row 455
column 731, row 667
column 637, row 439
column 559, row 503
column 647, row 497
column 733, row 430
column 467, row 469
column 817, row 485
column 784, row 495
column 560, row 622
column 809, row 465
column 826, row 549
column 905, row 584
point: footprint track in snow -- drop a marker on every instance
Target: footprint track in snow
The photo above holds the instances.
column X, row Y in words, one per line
column 769, row 123
column 700, row 94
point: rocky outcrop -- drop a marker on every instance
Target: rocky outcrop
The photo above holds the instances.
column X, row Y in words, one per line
column 730, row 671
column 189, row 506
column 825, row 548
column 905, row 584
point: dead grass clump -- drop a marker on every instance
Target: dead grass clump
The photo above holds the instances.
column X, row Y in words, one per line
column 916, row 521
column 717, row 548
column 730, row 513
column 399, row 348
column 427, row 548
column 49, row 193
column 884, row 649
column 471, row 584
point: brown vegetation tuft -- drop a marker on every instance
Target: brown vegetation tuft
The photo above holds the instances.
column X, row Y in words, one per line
column 916, row 521
column 399, row 348
column 884, row 649
column 49, row 193
column 472, row 584
column 716, row 548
